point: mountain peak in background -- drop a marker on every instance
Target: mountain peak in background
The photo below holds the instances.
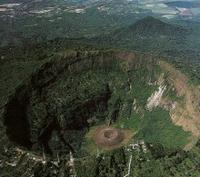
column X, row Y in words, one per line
column 153, row 26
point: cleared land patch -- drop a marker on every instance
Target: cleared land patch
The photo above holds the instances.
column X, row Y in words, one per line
column 109, row 138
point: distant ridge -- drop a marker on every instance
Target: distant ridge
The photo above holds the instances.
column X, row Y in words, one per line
column 153, row 26
column 147, row 35
column 184, row 4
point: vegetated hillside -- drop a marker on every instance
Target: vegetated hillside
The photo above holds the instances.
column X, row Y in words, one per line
column 151, row 27
column 150, row 34
column 155, row 36
column 60, row 24
column 146, row 35
column 48, row 118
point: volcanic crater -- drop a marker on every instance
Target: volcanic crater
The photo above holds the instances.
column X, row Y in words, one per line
column 108, row 137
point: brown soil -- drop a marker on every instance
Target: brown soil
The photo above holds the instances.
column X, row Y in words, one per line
column 127, row 59
column 111, row 138
column 186, row 114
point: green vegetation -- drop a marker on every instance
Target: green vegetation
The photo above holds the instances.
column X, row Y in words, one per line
column 157, row 127
column 60, row 95
column 156, row 162
column 13, row 74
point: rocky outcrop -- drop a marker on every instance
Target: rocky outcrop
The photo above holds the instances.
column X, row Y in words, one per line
column 155, row 99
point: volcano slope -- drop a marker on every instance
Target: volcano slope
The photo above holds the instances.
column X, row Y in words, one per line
column 47, row 118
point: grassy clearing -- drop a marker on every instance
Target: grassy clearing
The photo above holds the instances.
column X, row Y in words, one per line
column 156, row 127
